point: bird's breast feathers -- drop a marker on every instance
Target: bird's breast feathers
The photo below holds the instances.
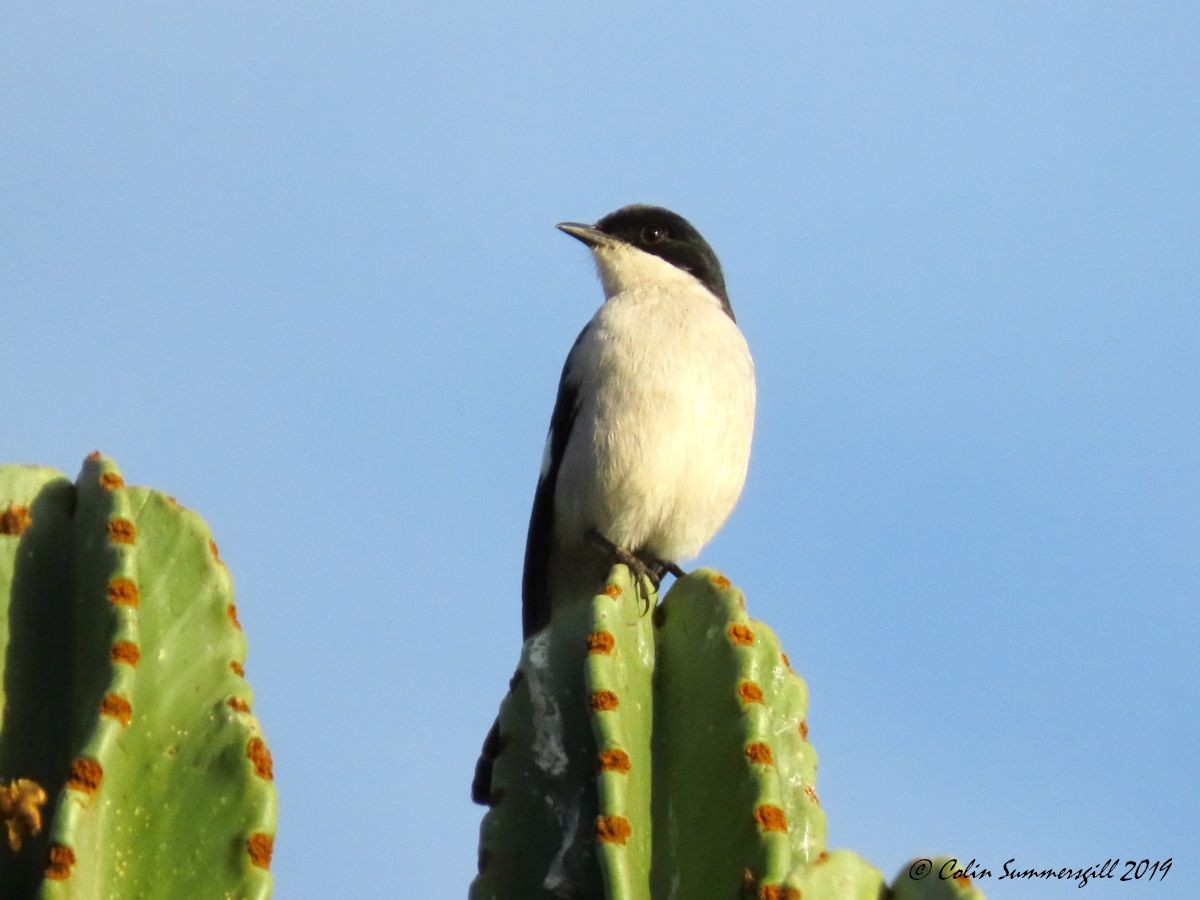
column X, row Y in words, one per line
column 658, row 453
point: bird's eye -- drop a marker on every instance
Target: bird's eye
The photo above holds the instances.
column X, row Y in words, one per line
column 652, row 234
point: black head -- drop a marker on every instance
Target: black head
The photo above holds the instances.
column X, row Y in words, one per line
column 669, row 236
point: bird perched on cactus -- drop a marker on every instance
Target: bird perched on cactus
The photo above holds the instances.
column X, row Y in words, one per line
column 649, row 440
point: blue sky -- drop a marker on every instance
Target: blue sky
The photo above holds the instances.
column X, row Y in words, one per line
column 295, row 264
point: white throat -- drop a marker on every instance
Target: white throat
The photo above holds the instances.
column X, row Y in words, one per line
column 625, row 269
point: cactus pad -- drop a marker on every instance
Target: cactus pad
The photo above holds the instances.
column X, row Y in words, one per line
column 124, row 697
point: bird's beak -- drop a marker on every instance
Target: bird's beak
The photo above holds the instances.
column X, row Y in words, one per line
column 585, row 233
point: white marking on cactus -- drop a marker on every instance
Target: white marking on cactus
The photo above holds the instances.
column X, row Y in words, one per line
column 673, row 841
column 645, row 648
column 806, row 842
column 556, row 876
column 548, row 751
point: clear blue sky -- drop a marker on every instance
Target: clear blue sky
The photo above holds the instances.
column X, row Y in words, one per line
column 296, row 265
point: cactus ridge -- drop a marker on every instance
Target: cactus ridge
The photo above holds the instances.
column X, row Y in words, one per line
column 620, row 647
column 572, row 774
column 104, row 566
column 732, row 767
column 35, row 538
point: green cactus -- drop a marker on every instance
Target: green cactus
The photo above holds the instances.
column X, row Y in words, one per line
column 931, row 879
column 663, row 757
column 130, row 765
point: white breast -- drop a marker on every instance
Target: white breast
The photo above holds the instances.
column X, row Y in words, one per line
column 658, row 453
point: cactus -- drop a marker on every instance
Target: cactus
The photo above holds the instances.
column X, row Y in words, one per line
column 663, row 757
column 130, row 765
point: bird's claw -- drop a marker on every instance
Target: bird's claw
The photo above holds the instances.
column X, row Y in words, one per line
column 641, row 570
column 641, row 573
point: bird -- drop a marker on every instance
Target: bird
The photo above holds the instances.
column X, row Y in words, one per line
column 649, row 441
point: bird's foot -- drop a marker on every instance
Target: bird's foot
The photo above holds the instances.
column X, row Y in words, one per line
column 673, row 569
column 643, row 570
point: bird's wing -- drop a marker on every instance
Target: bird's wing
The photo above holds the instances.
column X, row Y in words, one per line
column 535, row 589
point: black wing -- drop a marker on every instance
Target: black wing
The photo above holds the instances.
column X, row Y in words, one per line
column 535, row 589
